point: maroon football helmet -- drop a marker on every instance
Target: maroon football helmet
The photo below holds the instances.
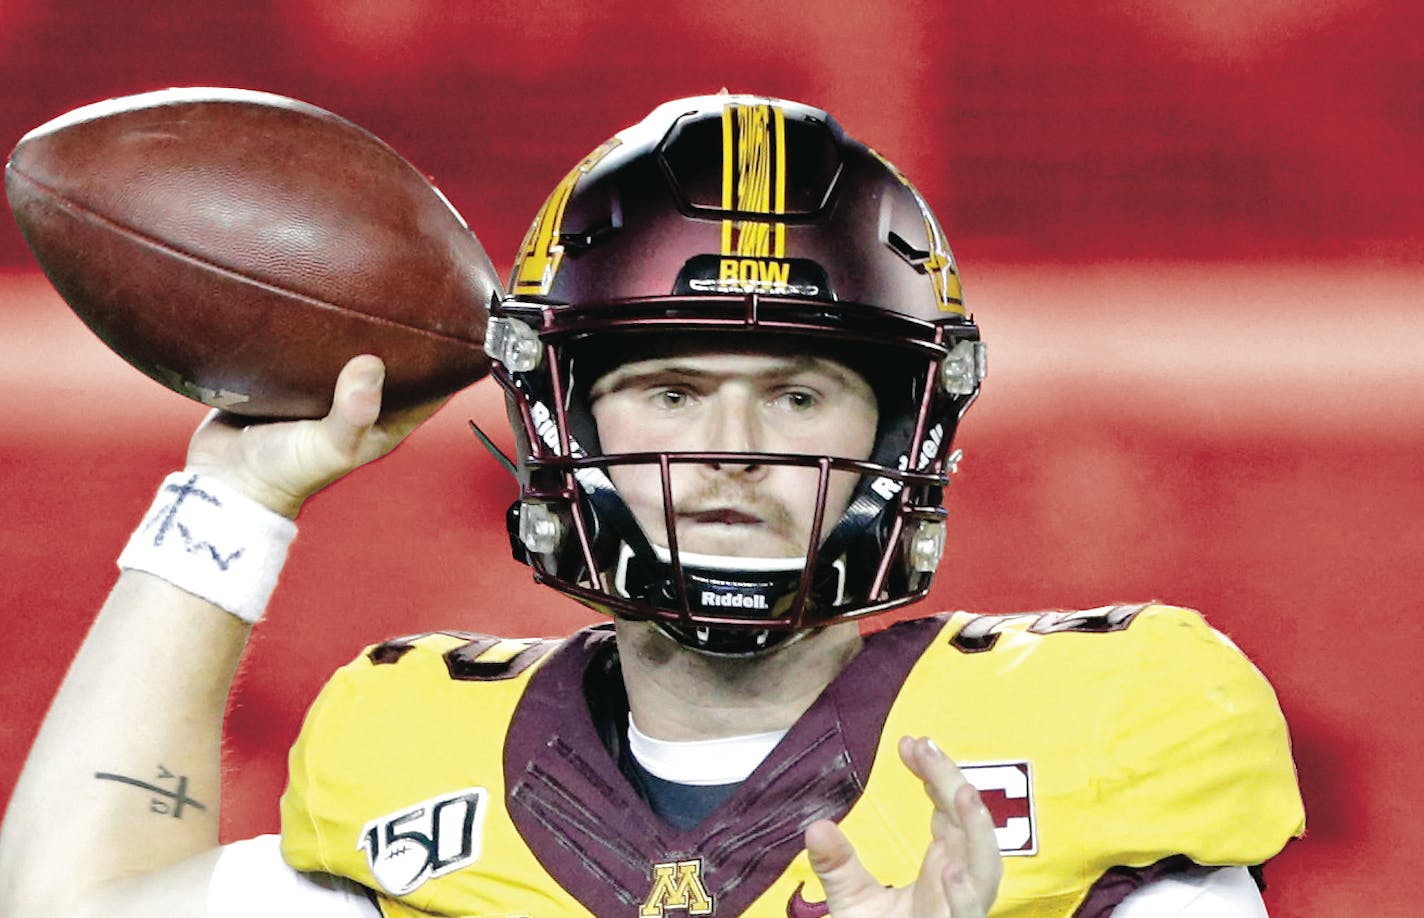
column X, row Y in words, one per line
column 747, row 220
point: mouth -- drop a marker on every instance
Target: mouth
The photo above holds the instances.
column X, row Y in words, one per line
column 722, row 516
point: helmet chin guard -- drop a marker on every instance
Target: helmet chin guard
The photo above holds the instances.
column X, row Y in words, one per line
column 748, row 224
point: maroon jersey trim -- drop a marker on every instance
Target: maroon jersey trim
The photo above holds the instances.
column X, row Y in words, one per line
column 599, row 840
column 1117, row 884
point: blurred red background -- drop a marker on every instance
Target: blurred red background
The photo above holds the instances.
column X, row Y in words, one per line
column 1191, row 232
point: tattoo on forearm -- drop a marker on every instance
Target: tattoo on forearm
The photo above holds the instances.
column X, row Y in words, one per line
column 165, row 802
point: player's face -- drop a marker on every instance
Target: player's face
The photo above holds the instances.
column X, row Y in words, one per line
column 721, row 401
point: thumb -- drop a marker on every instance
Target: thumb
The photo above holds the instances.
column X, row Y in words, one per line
column 296, row 460
column 356, row 404
column 844, row 877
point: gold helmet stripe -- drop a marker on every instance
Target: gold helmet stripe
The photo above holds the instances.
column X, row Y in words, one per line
column 754, row 178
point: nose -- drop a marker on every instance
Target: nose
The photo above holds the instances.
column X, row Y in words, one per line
column 733, row 426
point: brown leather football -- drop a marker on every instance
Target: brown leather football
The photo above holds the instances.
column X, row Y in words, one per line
column 240, row 247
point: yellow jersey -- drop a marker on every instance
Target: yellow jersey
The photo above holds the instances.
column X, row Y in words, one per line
column 465, row 775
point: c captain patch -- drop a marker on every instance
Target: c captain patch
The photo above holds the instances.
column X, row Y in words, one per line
column 1007, row 791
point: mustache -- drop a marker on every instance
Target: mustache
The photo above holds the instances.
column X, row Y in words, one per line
column 722, row 495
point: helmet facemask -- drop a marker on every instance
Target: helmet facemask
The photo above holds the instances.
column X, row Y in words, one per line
column 870, row 526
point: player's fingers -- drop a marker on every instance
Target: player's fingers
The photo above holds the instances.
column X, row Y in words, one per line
column 941, row 824
column 942, row 778
column 962, row 827
column 359, row 428
column 357, row 402
column 846, row 881
column 965, row 898
column 948, row 880
column 980, row 845
column 929, row 892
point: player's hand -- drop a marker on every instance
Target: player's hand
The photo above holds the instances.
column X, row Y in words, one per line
column 281, row 464
column 959, row 876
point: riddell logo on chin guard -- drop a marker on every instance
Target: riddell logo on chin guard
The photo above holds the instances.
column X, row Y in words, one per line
column 734, row 600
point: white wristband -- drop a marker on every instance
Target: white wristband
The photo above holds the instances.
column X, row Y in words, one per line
column 210, row 540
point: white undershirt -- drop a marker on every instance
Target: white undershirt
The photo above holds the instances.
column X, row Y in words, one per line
column 729, row 760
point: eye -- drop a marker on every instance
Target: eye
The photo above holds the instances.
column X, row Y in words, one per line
column 798, row 399
column 669, row 397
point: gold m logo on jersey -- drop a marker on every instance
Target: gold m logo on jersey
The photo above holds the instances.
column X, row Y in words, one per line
column 677, row 885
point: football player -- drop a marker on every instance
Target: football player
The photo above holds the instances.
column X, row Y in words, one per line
column 735, row 353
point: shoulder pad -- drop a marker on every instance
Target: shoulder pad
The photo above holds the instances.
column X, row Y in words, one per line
column 377, row 737
column 467, row 656
column 1179, row 735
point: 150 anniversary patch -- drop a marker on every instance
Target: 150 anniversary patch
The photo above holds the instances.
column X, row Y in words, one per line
column 426, row 840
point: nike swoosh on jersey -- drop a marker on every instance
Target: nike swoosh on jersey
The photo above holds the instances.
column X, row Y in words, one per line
column 798, row 907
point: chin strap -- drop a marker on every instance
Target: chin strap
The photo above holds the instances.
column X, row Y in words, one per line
column 728, row 642
column 505, row 462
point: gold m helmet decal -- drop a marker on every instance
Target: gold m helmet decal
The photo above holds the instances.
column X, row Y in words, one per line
column 541, row 251
column 677, row 885
column 937, row 261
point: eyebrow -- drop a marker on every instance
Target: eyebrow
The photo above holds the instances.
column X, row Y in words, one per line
column 621, row 378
